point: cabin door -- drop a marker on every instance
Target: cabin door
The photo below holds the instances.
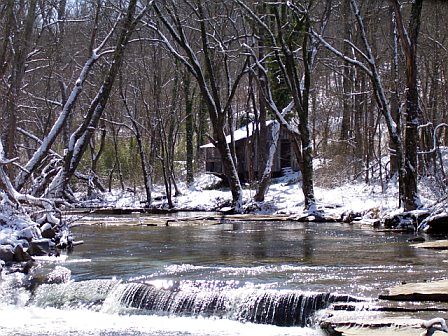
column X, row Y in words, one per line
column 285, row 154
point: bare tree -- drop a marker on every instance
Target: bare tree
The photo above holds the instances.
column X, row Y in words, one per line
column 408, row 39
column 297, row 21
column 204, row 68
column 368, row 64
column 79, row 139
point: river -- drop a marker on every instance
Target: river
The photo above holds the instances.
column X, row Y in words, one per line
column 215, row 280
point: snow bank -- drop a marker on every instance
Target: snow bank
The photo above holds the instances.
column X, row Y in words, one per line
column 283, row 197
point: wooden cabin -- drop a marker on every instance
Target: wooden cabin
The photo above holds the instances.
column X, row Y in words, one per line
column 247, row 154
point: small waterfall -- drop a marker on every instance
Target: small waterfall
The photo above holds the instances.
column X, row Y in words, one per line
column 245, row 304
column 90, row 294
column 277, row 307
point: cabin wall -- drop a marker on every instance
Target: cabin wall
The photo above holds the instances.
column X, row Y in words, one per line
column 213, row 163
column 247, row 158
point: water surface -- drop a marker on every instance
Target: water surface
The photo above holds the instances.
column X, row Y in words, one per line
column 288, row 255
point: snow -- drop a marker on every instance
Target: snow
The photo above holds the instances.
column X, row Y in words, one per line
column 283, row 197
column 241, row 133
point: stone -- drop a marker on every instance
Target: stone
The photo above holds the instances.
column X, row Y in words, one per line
column 20, row 255
column 437, row 223
column 6, row 253
column 417, row 240
column 40, row 247
column 25, row 243
column 379, row 327
column 434, row 245
column 47, row 231
column 58, row 275
column 425, row 291
column 29, row 233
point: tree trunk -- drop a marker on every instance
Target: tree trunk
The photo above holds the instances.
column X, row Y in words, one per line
column 21, row 49
column 394, row 99
column 408, row 40
column 265, row 177
column 189, row 128
column 346, row 79
column 264, row 161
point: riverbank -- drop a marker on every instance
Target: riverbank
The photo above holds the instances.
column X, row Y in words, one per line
column 351, row 201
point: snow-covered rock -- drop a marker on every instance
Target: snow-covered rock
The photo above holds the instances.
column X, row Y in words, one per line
column 29, row 232
column 47, row 231
column 40, row 247
column 20, row 254
column 6, row 253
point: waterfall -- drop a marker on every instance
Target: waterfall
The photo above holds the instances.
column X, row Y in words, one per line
column 244, row 304
column 90, row 294
column 277, row 307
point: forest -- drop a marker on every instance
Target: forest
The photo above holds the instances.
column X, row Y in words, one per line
column 191, row 167
column 106, row 94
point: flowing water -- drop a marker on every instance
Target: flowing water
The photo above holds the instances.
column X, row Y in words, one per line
column 232, row 279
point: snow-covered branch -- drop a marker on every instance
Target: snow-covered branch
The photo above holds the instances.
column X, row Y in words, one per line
column 340, row 54
column 434, row 137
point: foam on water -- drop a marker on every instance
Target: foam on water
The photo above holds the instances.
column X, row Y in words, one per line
column 36, row 321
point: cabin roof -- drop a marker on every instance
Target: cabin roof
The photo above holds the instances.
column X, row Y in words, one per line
column 241, row 133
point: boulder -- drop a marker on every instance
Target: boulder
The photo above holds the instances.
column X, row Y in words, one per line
column 25, row 243
column 40, row 247
column 58, row 275
column 20, row 255
column 41, row 276
column 6, row 253
column 406, row 220
column 48, row 231
column 437, row 223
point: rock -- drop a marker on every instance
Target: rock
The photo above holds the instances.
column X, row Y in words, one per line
column 426, row 291
column 436, row 223
column 416, row 240
column 227, row 210
column 25, row 243
column 405, row 220
column 59, row 275
column 6, row 253
column 40, row 247
column 29, row 233
column 434, row 245
column 64, row 240
column 378, row 327
column 20, row 255
column 40, row 276
column 47, row 231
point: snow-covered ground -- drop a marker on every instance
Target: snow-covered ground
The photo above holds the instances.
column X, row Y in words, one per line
column 283, row 197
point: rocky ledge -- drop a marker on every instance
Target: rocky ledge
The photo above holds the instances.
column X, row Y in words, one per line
column 399, row 311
